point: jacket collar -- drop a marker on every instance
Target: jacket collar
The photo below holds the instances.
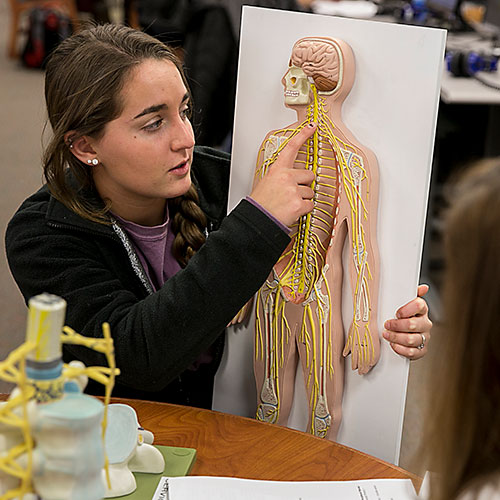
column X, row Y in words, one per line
column 211, row 170
column 58, row 213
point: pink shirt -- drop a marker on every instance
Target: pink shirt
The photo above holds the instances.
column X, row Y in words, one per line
column 153, row 245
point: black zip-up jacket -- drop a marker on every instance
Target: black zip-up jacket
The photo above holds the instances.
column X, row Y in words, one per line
column 157, row 336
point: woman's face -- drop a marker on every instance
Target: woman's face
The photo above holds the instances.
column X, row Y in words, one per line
column 145, row 154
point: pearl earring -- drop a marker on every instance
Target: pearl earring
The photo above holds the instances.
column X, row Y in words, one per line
column 95, row 161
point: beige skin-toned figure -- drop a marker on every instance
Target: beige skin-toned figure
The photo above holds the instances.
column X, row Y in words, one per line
column 298, row 309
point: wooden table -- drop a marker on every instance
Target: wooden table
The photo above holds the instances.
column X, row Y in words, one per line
column 228, row 445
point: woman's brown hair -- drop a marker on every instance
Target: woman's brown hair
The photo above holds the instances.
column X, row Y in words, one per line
column 463, row 438
column 84, row 77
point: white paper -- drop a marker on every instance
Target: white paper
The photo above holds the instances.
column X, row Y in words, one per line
column 228, row 488
column 162, row 490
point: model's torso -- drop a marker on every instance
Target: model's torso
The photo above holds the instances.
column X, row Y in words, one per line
column 300, row 265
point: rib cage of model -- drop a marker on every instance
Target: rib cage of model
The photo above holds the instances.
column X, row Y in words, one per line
column 298, row 309
column 54, row 440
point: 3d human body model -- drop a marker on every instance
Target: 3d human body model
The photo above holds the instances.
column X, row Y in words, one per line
column 298, row 309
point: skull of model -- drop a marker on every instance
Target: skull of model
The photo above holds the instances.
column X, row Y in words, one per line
column 296, row 87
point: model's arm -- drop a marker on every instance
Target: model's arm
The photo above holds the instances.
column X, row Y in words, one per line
column 262, row 156
column 360, row 184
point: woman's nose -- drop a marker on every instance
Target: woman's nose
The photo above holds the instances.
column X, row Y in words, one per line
column 183, row 136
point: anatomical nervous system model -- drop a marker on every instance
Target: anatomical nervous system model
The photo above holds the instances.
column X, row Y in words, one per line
column 298, row 309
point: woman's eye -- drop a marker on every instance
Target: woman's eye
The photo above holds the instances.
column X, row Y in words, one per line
column 186, row 112
column 154, row 126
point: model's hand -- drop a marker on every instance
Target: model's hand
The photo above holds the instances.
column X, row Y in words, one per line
column 409, row 333
column 284, row 191
column 243, row 313
column 363, row 344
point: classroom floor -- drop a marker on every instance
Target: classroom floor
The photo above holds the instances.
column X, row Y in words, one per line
column 21, row 98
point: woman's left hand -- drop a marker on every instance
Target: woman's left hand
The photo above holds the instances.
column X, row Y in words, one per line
column 409, row 333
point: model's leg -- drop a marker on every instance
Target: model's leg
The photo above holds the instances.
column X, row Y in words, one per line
column 320, row 346
column 314, row 344
column 286, row 373
column 275, row 360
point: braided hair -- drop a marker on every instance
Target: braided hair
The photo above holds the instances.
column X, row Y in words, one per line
column 188, row 224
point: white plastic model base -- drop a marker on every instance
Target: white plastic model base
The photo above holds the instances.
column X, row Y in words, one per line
column 129, row 450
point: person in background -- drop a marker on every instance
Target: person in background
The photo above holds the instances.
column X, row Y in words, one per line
column 131, row 226
column 462, row 445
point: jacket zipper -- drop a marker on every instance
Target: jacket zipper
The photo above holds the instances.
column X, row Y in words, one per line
column 132, row 256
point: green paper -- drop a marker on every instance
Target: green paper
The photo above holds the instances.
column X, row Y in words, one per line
column 178, row 462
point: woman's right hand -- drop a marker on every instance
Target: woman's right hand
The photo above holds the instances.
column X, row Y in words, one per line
column 285, row 190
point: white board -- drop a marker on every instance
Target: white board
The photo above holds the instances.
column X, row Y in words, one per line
column 392, row 110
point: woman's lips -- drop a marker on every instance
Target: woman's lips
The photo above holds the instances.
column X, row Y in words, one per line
column 181, row 169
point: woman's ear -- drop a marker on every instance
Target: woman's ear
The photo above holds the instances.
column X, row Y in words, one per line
column 81, row 148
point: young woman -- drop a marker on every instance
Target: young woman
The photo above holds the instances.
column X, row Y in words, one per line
column 463, row 442
column 131, row 226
